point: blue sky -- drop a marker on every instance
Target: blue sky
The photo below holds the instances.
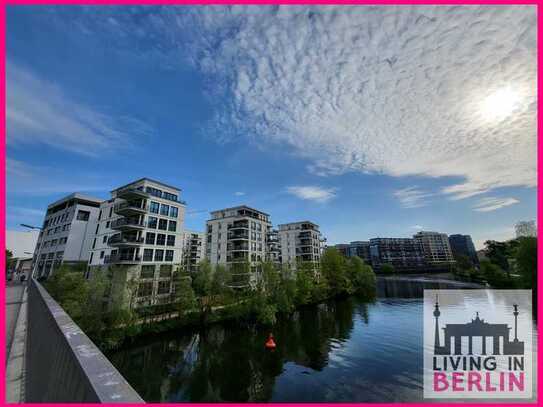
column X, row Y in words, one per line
column 369, row 121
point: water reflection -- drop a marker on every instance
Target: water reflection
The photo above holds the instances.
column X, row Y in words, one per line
column 342, row 350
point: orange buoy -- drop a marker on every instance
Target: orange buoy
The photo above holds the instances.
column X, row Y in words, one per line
column 270, row 343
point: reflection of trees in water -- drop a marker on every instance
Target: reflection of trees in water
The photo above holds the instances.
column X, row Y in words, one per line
column 230, row 363
column 402, row 287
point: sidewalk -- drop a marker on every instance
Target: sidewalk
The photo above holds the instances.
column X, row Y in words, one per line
column 16, row 295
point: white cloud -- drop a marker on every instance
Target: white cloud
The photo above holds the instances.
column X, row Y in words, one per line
column 376, row 89
column 40, row 112
column 239, row 193
column 312, row 193
column 418, row 227
column 493, row 203
column 412, row 197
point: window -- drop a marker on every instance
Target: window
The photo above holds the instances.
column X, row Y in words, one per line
column 160, row 239
column 154, row 207
column 171, row 240
column 83, row 215
column 107, row 224
column 163, row 287
column 151, row 223
column 100, row 215
column 163, row 224
column 50, row 255
column 159, row 255
column 54, row 242
column 102, row 254
column 168, row 196
column 150, row 238
column 110, row 211
column 165, row 270
column 147, row 254
column 172, row 226
column 164, row 209
column 104, row 240
column 154, row 191
column 59, row 255
column 145, row 289
column 174, row 211
column 147, row 271
column 169, row 255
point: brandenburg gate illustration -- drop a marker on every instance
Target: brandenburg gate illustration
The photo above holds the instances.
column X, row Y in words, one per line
column 476, row 328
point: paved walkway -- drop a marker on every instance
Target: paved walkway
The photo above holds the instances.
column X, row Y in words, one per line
column 14, row 296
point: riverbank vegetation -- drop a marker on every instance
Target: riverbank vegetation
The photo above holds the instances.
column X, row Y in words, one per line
column 209, row 295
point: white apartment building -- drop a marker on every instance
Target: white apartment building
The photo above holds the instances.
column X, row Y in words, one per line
column 300, row 241
column 65, row 237
column 526, row 229
column 194, row 249
column 273, row 247
column 138, row 239
column 436, row 248
column 238, row 235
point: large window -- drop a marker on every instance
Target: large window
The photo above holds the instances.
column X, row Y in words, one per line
column 163, row 287
column 165, row 270
column 169, row 255
column 154, row 207
column 150, row 238
column 164, row 209
column 160, row 239
column 147, row 254
column 145, row 289
column 172, row 226
column 174, row 212
column 151, row 222
column 159, row 255
column 171, row 240
column 83, row 215
column 163, row 224
column 168, row 196
column 147, row 271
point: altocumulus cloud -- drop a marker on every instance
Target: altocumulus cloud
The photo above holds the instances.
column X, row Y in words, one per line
column 491, row 204
column 391, row 90
column 412, row 197
column 39, row 111
column 312, row 193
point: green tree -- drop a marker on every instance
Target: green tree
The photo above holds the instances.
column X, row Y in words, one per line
column 387, row 268
column 361, row 275
column 526, row 258
column 70, row 289
column 305, row 283
column 220, row 280
column 202, row 279
column 495, row 276
column 185, row 299
column 334, row 270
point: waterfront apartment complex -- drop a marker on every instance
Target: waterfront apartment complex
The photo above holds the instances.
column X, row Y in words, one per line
column 300, row 241
column 462, row 245
column 137, row 240
column 66, row 235
column 404, row 254
column 436, row 248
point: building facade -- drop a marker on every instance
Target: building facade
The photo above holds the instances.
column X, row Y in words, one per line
column 462, row 245
column 526, row 229
column 436, row 249
column 66, row 235
column 300, row 241
column 274, row 247
column 194, row 250
column 139, row 241
column 404, row 254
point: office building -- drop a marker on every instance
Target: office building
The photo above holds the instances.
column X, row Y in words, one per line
column 300, row 241
column 138, row 241
column 404, row 254
column 66, row 235
column 526, row 229
column 462, row 245
column 436, row 249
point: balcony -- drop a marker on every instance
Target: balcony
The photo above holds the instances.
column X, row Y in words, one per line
column 124, row 240
column 127, row 223
column 132, row 193
column 238, row 247
column 122, row 259
column 238, row 257
column 239, row 225
column 306, row 242
column 238, row 236
column 130, row 208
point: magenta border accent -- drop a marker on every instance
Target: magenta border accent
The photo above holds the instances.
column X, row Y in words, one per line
column 5, row 3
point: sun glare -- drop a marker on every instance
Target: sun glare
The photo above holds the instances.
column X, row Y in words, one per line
column 500, row 104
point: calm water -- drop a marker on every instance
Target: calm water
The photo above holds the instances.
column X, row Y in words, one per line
column 343, row 350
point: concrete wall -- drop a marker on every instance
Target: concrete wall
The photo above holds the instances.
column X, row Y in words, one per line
column 62, row 364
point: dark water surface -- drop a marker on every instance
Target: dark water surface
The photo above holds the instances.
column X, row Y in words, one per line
column 342, row 350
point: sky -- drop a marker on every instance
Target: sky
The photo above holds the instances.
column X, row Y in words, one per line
column 370, row 121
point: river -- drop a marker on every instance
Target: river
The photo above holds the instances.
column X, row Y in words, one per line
column 339, row 351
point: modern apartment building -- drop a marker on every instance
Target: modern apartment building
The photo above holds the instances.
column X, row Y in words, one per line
column 526, row 229
column 237, row 236
column 139, row 240
column 300, row 241
column 462, row 245
column 436, row 249
column 274, row 247
column 194, row 244
column 404, row 254
column 357, row 248
column 65, row 235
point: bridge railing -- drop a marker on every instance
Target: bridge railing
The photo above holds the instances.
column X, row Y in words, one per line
column 62, row 364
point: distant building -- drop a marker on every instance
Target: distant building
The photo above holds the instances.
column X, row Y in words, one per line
column 404, row 254
column 274, row 247
column 300, row 241
column 462, row 245
column 436, row 248
column 526, row 229
column 194, row 251
column 66, row 235
column 356, row 248
column 344, row 249
column 21, row 243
